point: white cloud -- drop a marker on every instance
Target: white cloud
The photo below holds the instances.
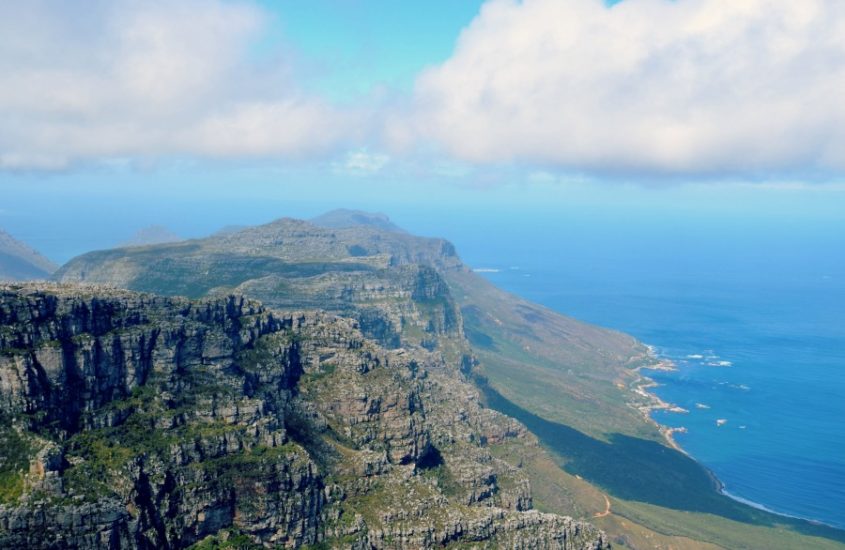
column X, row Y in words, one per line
column 362, row 162
column 146, row 79
column 683, row 86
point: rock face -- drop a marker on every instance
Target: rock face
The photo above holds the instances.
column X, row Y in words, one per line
column 20, row 262
column 137, row 421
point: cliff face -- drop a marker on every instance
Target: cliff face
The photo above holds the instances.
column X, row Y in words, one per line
column 135, row 421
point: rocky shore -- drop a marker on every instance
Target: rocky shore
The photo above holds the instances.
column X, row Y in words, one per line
column 649, row 402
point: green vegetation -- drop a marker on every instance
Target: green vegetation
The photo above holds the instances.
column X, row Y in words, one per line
column 229, row 539
column 444, row 479
column 14, row 462
column 325, row 370
column 562, row 369
column 245, row 465
column 194, row 277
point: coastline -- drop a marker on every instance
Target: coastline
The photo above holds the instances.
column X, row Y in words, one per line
column 652, row 402
column 641, row 385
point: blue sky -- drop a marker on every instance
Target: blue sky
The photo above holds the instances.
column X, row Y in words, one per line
column 690, row 111
column 355, row 46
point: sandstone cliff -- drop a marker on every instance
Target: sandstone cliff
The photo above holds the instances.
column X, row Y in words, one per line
column 137, row 421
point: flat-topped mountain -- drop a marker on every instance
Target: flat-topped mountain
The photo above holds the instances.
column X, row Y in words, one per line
column 388, row 281
column 20, row 262
column 342, row 217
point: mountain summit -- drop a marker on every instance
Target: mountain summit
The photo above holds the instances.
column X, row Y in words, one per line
column 344, row 218
column 154, row 234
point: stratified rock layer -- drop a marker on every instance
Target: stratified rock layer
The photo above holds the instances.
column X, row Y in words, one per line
column 137, row 421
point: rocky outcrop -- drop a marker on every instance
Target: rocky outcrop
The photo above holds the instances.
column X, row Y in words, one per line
column 137, row 421
column 160, row 429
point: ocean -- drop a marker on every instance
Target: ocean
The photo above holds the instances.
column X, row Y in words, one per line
column 755, row 326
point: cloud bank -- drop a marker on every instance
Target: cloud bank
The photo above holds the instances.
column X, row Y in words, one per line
column 679, row 87
column 133, row 79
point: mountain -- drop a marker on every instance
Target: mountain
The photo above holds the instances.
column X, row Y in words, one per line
column 20, row 262
column 137, row 421
column 576, row 387
column 344, row 218
column 229, row 229
column 388, row 281
column 154, row 234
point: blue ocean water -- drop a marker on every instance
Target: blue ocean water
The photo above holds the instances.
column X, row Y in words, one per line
column 756, row 329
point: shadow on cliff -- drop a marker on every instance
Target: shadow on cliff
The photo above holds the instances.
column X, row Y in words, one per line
column 646, row 471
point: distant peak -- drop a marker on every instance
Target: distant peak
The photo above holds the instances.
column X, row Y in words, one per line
column 19, row 261
column 343, row 218
column 227, row 230
column 154, row 234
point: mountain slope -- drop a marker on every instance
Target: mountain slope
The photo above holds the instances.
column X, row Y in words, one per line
column 20, row 262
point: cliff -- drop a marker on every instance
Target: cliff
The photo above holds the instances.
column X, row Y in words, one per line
column 137, row 421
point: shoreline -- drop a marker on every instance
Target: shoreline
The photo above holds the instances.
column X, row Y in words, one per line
column 764, row 508
column 641, row 385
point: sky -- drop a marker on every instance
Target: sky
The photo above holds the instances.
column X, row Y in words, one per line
column 196, row 113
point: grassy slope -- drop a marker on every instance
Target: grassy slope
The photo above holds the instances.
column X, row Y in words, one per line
column 566, row 371
column 569, row 383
